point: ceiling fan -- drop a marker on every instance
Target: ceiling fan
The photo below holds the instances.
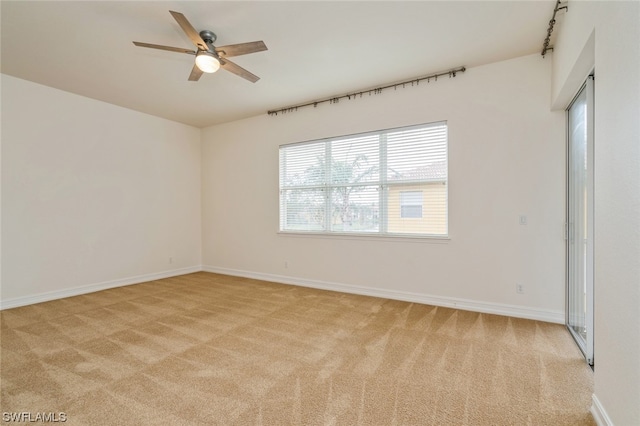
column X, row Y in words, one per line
column 210, row 58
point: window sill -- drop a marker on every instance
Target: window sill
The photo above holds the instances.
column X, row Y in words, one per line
column 428, row 239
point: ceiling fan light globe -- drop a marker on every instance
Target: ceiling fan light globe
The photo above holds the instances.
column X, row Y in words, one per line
column 207, row 62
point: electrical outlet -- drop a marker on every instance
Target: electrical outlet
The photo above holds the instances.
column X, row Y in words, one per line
column 519, row 288
column 286, row 264
column 171, row 260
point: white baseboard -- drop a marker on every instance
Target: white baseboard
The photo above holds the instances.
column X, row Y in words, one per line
column 599, row 413
column 449, row 302
column 76, row 291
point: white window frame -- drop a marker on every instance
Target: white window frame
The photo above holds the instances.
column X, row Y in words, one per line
column 381, row 183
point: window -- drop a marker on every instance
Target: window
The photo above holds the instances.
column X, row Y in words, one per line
column 411, row 204
column 391, row 182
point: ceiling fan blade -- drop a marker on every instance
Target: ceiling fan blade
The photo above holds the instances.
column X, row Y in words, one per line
column 189, row 30
column 238, row 70
column 169, row 48
column 241, row 48
column 196, row 73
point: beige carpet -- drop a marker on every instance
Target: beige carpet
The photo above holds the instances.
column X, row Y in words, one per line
column 210, row 349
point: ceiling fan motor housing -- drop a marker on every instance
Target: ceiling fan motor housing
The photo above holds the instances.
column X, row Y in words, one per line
column 209, row 37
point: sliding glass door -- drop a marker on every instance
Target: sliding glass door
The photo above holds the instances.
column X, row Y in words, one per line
column 580, row 219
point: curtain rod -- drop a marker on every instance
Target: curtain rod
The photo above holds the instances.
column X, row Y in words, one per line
column 552, row 22
column 375, row 91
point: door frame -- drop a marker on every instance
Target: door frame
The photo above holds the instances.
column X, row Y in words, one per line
column 585, row 345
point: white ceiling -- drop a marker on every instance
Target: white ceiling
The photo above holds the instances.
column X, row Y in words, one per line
column 317, row 49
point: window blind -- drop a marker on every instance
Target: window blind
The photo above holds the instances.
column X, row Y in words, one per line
column 389, row 182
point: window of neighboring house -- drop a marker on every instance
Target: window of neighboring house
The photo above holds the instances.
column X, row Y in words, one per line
column 410, row 204
column 390, row 182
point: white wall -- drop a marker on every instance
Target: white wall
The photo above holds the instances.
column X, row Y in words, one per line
column 606, row 35
column 93, row 195
column 507, row 157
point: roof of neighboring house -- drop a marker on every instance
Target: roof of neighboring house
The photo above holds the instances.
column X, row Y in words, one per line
column 433, row 171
